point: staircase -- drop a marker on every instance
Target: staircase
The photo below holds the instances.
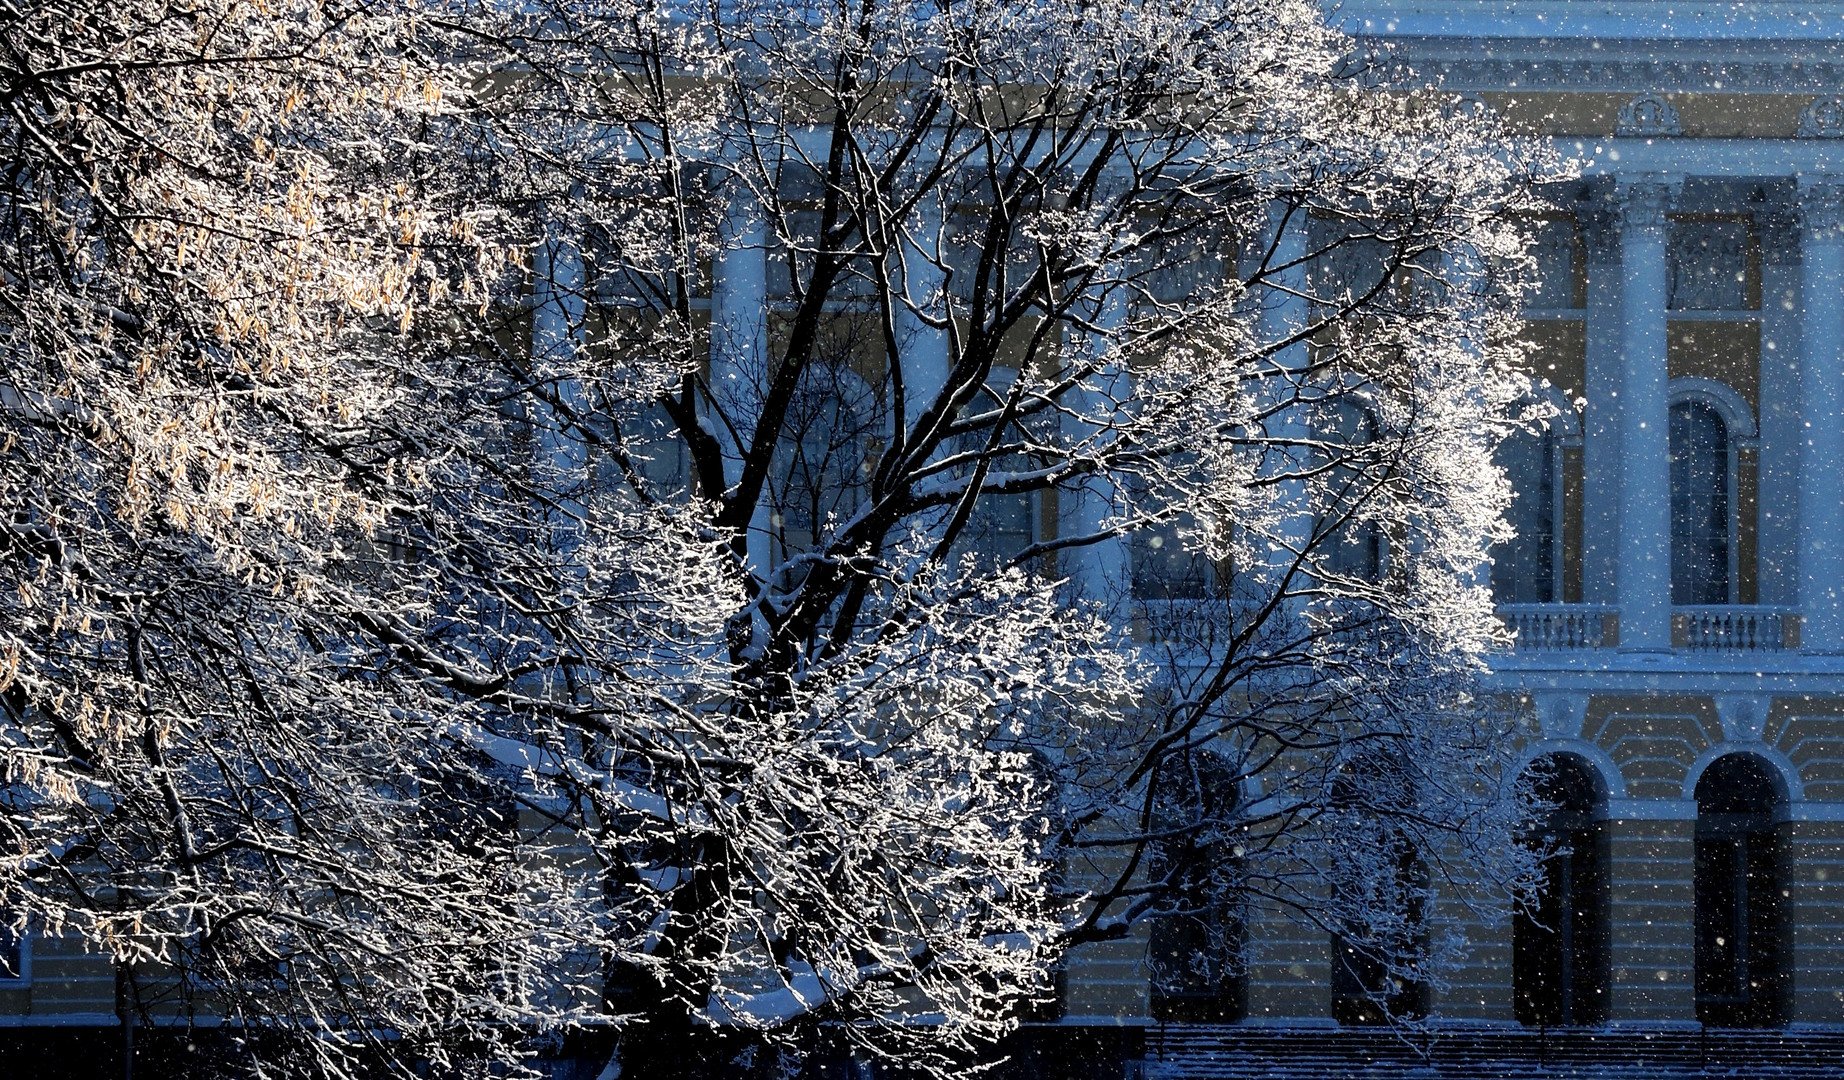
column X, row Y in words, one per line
column 1202, row 1052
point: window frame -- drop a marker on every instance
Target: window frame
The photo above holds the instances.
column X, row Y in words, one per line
column 1740, row 434
column 1563, row 431
column 1580, row 822
column 1744, row 833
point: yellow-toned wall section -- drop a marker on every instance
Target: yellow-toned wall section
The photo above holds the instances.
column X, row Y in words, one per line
column 1479, row 986
column 1109, row 979
column 1557, row 350
column 1747, row 531
column 1574, row 493
column 1653, row 740
column 1653, row 944
column 1810, row 732
column 1290, row 968
column 1814, row 860
column 1724, row 352
column 67, row 981
column 1709, row 116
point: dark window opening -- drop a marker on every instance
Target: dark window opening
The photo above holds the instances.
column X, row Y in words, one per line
column 1351, row 540
column 1559, row 943
column 1198, row 946
column 1743, row 937
column 1701, row 507
column 1525, row 567
column 1380, row 982
column 12, row 954
column 1379, row 960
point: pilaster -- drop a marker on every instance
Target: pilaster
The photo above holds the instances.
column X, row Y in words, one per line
column 1777, row 522
column 1814, row 861
column 922, row 339
column 1098, row 570
column 559, row 282
column 739, row 342
column 1284, row 313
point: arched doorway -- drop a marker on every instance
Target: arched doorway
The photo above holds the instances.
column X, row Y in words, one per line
column 1743, row 933
column 1198, row 967
column 1559, row 943
column 1380, row 953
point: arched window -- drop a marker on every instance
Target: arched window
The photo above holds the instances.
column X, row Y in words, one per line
column 1559, row 944
column 1528, row 568
column 1167, row 563
column 1166, row 557
column 1048, row 1001
column 1353, row 544
column 1199, row 972
column 1002, row 524
column 1741, row 906
column 1702, row 505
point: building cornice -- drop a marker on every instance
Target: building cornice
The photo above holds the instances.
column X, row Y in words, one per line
column 1483, row 52
column 1710, row 22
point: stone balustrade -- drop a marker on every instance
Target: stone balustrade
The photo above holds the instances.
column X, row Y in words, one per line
column 1730, row 627
column 1552, row 627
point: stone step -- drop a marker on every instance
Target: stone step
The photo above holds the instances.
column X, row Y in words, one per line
column 1176, row 1052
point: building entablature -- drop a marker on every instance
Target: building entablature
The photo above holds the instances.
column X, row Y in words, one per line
column 1561, row 27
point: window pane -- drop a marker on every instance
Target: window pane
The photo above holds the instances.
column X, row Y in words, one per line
column 1354, row 547
column 1741, row 917
column 1699, row 505
column 1559, row 945
column 1524, row 567
column 1198, row 974
column 1166, row 564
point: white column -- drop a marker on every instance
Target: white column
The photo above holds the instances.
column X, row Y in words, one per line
column 739, row 343
column 558, row 283
column 923, row 355
column 1821, row 384
column 1285, row 311
column 1601, row 469
column 1643, row 576
column 1100, row 570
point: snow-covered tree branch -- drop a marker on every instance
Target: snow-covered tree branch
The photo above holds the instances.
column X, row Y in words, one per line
column 731, row 517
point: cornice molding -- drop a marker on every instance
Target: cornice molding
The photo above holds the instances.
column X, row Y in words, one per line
column 1615, row 23
column 1487, row 65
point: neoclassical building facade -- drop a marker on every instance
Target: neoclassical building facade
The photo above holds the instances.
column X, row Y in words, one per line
column 1676, row 588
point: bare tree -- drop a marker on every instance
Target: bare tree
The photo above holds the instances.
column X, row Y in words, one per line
column 798, row 587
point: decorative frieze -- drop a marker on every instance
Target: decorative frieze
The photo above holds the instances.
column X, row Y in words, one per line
column 1823, row 118
column 1641, row 72
column 1648, row 115
column 1778, row 225
column 1600, row 233
column 1709, row 265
